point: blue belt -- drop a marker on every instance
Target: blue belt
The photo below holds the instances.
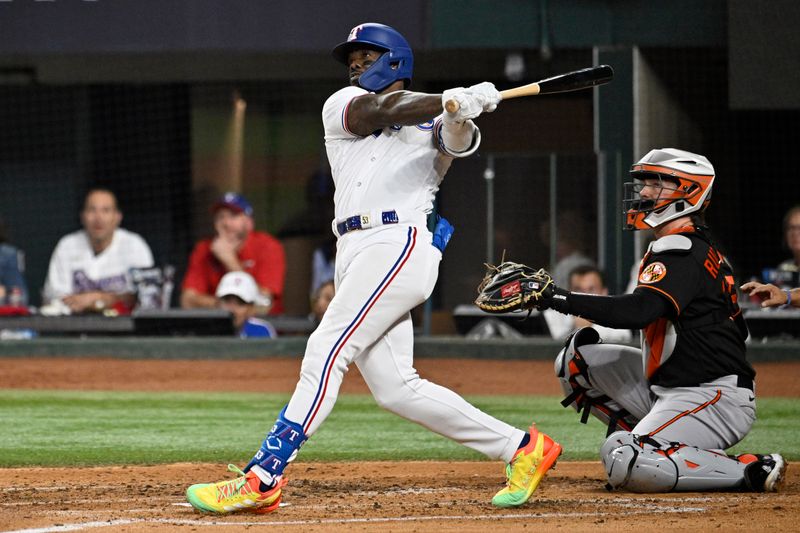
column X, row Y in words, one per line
column 357, row 222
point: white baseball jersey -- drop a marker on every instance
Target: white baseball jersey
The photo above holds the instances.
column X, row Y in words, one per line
column 376, row 173
column 74, row 267
column 381, row 274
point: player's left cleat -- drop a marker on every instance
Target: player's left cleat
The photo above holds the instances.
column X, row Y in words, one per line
column 766, row 474
column 241, row 494
column 527, row 468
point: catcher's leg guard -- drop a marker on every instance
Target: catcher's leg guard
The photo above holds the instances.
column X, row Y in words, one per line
column 643, row 464
column 278, row 449
column 572, row 370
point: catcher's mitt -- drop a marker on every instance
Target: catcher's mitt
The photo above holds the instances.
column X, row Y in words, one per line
column 513, row 287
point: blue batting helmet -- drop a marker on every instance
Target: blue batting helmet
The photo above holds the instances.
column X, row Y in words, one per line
column 396, row 62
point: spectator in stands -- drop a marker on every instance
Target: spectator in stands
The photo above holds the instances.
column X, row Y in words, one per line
column 90, row 268
column 323, row 265
column 237, row 293
column 236, row 247
column 588, row 280
column 570, row 245
column 791, row 233
column 772, row 296
column 13, row 289
column 321, row 298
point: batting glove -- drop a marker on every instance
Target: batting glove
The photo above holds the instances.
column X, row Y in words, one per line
column 488, row 95
column 470, row 105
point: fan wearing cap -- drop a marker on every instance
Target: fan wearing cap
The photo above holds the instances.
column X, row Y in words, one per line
column 237, row 247
column 237, row 292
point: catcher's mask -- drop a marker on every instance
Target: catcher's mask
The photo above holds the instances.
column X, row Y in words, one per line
column 395, row 63
column 681, row 185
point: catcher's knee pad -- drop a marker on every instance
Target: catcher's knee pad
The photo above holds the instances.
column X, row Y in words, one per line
column 279, row 447
column 572, row 370
column 636, row 464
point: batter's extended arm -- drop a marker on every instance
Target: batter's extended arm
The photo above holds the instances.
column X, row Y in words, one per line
column 372, row 112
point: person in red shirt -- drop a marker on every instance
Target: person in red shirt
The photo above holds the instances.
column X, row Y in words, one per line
column 236, row 247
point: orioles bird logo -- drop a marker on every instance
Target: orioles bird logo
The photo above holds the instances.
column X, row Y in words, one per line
column 653, row 272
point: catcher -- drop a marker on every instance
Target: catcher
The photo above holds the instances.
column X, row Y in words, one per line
column 688, row 394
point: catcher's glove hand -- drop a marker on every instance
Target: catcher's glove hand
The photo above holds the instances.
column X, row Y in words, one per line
column 514, row 287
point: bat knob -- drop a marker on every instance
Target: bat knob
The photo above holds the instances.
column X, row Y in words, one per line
column 451, row 106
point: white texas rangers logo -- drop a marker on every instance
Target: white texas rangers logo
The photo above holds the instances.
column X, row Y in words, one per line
column 354, row 32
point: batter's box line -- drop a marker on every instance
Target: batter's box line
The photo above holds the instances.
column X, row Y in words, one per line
column 334, row 521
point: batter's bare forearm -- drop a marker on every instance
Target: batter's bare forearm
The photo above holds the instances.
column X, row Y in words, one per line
column 404, row 108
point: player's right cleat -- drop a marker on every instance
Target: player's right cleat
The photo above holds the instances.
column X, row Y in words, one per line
column 235, row 495
column 527, row 468
column 766, row 474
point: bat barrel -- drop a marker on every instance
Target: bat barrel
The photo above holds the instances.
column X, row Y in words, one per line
column 571, row 81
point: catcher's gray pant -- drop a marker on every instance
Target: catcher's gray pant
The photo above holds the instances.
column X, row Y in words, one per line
column 381, row 274
column 608, row 381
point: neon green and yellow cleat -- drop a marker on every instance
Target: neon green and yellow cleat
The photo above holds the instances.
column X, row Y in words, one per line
column 527, row 468
column 235, row 495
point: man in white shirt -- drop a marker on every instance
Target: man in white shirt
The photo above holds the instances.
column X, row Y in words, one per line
column 585, row 279
column 90, row 268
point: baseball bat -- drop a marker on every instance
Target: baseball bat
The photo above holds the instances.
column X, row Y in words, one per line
column 570, row 81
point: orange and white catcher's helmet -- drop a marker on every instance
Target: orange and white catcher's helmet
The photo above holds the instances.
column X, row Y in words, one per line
column 692, row 173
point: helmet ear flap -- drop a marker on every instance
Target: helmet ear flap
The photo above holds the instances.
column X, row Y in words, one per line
column 382, row 73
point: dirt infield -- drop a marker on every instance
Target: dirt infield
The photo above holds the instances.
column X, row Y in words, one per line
column 403, row 496
column 465, row 376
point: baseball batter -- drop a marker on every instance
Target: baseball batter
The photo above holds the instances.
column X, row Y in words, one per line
column 688, row 394
column 389, row 150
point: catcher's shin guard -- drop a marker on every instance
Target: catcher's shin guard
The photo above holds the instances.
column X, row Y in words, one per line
column 572, row 371
column 639, row 463
column 278, row 449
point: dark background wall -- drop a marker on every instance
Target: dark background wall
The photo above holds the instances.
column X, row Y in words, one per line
column 134, row 95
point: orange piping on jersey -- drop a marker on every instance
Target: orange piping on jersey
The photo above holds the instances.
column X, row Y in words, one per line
column 606, row 411
column 697, row 409
column 671, row 299
column 654, row 336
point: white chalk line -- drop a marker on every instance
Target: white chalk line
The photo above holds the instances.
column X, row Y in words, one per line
column 649, row 509
column 57, row 488
column 76, row 502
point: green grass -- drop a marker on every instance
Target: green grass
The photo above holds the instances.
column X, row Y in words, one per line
column 53, row 428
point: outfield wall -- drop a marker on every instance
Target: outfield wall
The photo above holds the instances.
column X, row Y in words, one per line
column 535, row 348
